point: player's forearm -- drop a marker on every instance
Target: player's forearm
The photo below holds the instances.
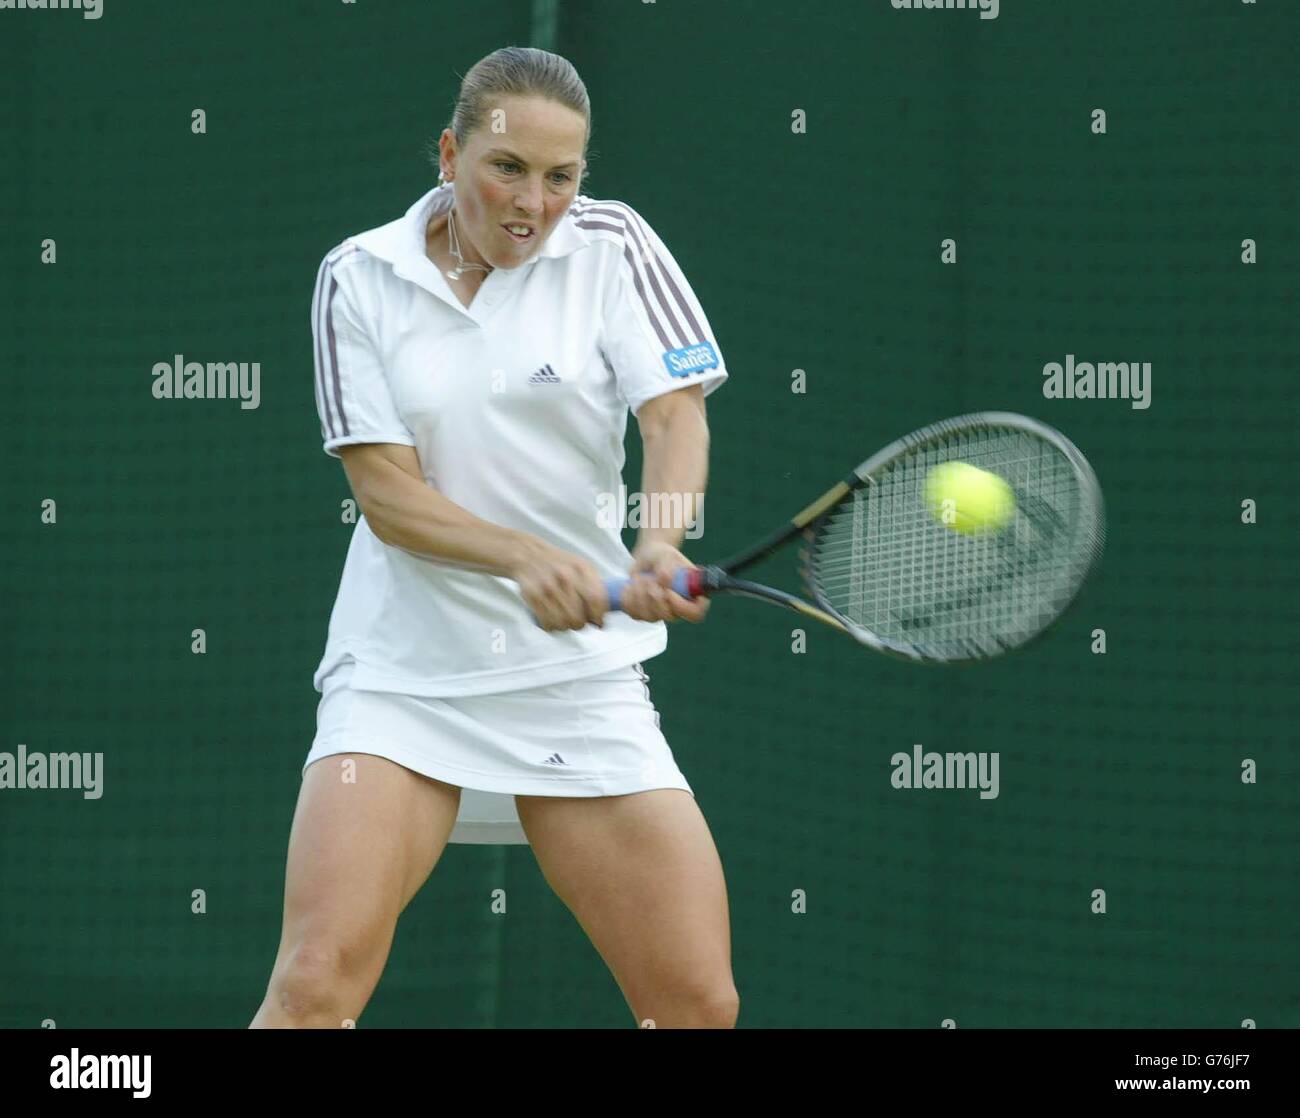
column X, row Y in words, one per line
column 675, row 470
column 406, row 513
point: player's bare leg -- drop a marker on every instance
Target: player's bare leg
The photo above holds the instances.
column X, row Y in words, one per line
column 358, row 852
column 641, row 875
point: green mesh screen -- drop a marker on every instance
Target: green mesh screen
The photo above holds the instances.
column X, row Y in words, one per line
column 819, row 257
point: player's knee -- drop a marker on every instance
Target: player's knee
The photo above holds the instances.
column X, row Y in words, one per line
column 720, row 1008
column 316, row 986
column 697, row 1008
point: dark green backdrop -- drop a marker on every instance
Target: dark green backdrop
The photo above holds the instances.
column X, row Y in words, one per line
column 816, row 251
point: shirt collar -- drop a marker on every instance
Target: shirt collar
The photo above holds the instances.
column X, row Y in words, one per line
column 402, row 242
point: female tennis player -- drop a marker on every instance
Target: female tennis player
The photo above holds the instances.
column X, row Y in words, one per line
column 476, row 360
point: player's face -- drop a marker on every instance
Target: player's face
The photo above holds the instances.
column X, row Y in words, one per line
column 526, row 173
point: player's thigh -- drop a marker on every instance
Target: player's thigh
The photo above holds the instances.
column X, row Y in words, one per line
column 642, row 876
column 366, row 834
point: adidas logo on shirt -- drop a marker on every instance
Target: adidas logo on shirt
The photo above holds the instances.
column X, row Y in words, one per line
column 555, row 758
column 544, row 375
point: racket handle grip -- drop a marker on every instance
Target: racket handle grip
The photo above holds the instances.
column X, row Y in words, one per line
column 688, row 582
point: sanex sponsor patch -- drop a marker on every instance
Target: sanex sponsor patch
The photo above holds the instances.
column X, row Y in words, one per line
column 691, row 359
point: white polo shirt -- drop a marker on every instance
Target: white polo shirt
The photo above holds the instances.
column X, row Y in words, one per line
column 517, row 407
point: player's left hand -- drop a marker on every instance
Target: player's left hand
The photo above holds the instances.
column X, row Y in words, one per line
column 648, row 596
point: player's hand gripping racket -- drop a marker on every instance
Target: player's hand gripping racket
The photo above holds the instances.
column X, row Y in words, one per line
column 894, row 559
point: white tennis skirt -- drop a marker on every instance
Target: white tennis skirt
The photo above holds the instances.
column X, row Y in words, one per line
column 597, row 736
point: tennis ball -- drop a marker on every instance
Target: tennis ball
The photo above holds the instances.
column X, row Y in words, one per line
column 967, row 499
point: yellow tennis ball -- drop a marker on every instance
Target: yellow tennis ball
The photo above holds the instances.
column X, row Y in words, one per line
column 967, row 499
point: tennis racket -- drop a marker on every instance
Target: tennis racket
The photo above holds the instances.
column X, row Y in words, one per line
column 880, row 566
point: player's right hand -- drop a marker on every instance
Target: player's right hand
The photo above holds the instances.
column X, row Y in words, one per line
column 563, row 590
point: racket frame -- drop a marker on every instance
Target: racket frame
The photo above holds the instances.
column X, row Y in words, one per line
column 719, row 578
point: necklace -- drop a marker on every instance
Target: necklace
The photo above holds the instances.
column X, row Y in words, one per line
column 454, row 243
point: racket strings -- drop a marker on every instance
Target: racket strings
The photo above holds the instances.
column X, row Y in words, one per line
column 886, row 564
